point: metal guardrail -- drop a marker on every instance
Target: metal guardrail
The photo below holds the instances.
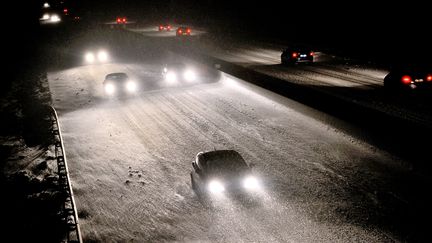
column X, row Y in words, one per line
column 70, row 214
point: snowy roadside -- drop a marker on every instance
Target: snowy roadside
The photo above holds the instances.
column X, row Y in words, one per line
column 32, row 200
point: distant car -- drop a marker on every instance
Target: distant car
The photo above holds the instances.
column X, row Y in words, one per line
column 179, row 72
column 221, row 171
column 121, row 20
column 409, row 77
column 166, row 27
column 296, row 55
column 119, row 84
column 183, row 31
column 96, row 57
column 50, row 17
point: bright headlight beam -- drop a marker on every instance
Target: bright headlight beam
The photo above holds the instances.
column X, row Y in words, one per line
column 189, row 75
column 54, row 18
column 45, row 17
column 216, row 187
column 109, row 89
column 89, row 57
column 250, row 183
column 131, row 86
column 171, row 77
column 102, row 56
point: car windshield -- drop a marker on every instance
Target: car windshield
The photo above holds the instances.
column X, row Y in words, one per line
column 116, row 76
column 223, row 162
column 176, row 65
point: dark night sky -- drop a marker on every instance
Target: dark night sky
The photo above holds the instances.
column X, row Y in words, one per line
column 359, row 17
column 359, row 25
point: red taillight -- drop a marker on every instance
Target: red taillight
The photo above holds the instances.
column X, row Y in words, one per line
column 294, row 54
column 124, row 20
column 406, row 79
column 169, row 26
column 180, row 31
column 429, row 77
column 65, row 10
column 188, row 30
column 311, row 53
column 118, row 20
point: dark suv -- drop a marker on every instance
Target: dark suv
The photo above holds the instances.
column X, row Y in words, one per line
column 297, row 54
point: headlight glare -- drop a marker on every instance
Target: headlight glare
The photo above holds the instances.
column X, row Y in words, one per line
column 171, row 77
column 189, row 75
column 109, row 89
column 250, row 183
column 216, row 187
column 54, row 18
column 89, row 57
column 131, row 86
column 102, row 56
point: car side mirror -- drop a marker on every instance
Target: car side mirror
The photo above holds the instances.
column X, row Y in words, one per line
column 194, row 165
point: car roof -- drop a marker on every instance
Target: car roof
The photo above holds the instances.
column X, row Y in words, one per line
column 221, row 161
column 297, row 48
column 175, row 65
column 116, row 76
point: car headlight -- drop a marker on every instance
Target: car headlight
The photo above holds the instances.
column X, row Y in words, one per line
column 102, row 56
column 109, row 89
column 131, row 86
column 189, row 75
column 89, row 57
column 45, row 17
column 171, row 77
column 250, row 183
column 54, row 18
column 216, row 187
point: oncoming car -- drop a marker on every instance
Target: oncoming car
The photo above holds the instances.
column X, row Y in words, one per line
column 296, row 55
column 183, row 31
column 179, row 72
column 50, row 18
column 93, row 57
column 409, row 77
column 221, row 171
column 118, row 84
